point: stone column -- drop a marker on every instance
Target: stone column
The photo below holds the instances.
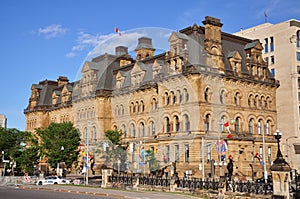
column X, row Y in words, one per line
column 106, row 173
column 280, row 173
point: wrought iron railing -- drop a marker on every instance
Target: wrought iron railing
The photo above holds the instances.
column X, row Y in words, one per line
column 193, row 184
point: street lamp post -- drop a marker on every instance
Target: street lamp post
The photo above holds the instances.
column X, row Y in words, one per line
column 264, row 154
column 62, row 159
column 3, row 162
column 87, row 154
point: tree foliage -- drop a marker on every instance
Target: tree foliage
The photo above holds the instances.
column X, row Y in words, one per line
column 153, row 162
column 113, row 152
column 20, row 147
column 56, row 136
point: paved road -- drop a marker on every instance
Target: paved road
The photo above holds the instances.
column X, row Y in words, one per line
column 17, row 193
column 91, row 192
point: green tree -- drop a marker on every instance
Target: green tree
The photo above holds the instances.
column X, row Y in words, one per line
column 113, row 151
column 56, row 136
column 153, row 162
column 29, row 157
column 15, row 144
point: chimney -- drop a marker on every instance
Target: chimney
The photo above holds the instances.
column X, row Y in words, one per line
column 62, row 80
column 212, row 29
column 213, row 42
column 144, row 48
column 121, row 50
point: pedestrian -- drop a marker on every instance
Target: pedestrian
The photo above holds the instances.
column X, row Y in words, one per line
column 230, row 168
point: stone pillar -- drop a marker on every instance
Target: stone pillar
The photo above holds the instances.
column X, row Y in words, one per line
column 174, row 177
column 280, row 173
column 106, row 173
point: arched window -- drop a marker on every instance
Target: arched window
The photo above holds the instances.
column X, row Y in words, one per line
column 132, row 128
column 122, row 109
column 260, row 126
column 142, row 106
column 137, row 106
column 237, row 125
column 186, row 95
column 152, row 128
column 186, row 123
column 142, row 127
column 154, row 104
column 251, row 123
column 167, row 99
column 176, row 123
column 267, row 102
column 132, row 108
column 250, row 99
column 94, row 133
column 173, row 96
column 222, row 123
column 236, row 99
column 179, row 96
column 85, row 134
column 255, row 101
column 207, row 122
column 222, row 97
column 167, row 124
column 268, row 127
column 206, row 94
column 123, row 127
column 261, row 101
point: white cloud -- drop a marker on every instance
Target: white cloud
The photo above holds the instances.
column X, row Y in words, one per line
column 52, row 31
column 71, row 54
column 100, row 44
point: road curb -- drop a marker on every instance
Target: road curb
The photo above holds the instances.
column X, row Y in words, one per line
column 76, row 192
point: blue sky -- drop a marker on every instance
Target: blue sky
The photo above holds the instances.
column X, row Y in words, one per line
column 44, row 39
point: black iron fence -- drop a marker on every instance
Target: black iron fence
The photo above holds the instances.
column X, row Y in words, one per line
column 196, row 183
column 193, row 184
column 250, row 187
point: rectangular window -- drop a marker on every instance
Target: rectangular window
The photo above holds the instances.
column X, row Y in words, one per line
column 267, row 60
column 186, row 153
column 261, row 150
column 269, row 155
column 132, row 153
column 298, row 69
column 271, row 44
column 273, row 71
column 208, row 153
column 176, row 153
column 298, row 56
column 298, row 96
column 167, row 153
column 272, row 60
column 266, row 45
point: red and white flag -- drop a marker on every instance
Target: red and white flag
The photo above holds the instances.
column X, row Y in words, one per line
column 118, row 31
column 226, row 125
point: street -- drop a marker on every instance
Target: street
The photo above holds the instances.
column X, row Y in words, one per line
column 12, row 192
column 76, row 192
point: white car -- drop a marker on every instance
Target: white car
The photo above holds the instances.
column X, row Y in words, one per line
column 52, row 180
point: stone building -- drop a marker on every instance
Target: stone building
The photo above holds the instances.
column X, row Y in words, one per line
column 3, row 121
column 174, row 103
column 281, row 52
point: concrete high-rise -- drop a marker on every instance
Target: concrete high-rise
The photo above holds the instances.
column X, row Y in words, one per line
column 281, row 44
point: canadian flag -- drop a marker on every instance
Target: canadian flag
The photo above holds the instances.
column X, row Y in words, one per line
column 258, row 156
column 118, row 31
column 226, row 125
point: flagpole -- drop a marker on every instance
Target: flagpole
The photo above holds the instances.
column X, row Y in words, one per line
column 264, row 154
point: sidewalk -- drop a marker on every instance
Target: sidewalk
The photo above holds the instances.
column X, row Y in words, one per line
column 97, row 191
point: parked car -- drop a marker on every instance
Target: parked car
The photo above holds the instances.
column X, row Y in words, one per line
column 52, row 180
